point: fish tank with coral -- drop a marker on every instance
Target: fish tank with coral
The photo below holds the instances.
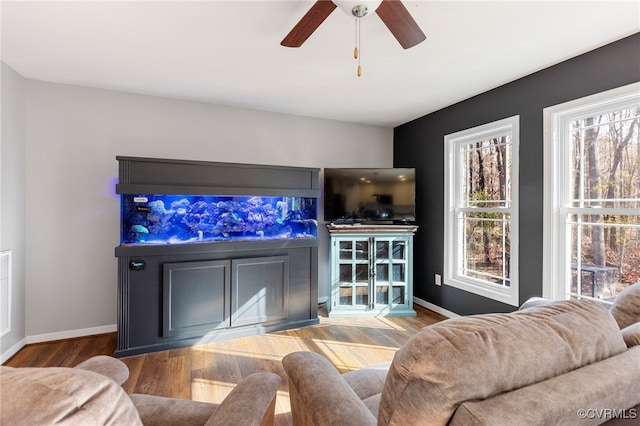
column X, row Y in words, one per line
column 178, row 219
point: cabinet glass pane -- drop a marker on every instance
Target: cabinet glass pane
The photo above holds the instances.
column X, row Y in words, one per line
column 345, row 295
column 398, row 272
column 362, row 273
column 362, row 250
column 345, row 250
column 382, row 249
column 362, row 296
column 398, row 295
column 399, row 249
column 382, row 294
column 345, row 273
column 382, row 272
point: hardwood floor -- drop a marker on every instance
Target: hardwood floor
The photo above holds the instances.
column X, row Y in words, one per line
column 208, row 372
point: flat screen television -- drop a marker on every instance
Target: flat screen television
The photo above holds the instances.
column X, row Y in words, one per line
column 369, row 195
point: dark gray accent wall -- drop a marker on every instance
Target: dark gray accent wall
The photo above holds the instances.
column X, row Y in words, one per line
column 420, row 144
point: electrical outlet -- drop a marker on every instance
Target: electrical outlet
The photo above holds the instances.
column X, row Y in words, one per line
column 438, row 279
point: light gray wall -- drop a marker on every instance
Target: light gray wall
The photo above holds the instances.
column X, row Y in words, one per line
column 73, row 136
column 12, row 202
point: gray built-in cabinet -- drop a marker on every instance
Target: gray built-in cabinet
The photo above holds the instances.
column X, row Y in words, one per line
column 176, row 295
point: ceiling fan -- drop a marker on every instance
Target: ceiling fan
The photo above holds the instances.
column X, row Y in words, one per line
column 392, row 12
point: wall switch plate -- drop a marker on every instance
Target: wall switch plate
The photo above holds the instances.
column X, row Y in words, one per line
column 438, row 279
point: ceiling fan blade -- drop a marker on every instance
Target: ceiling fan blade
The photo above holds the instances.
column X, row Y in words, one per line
column 309, row 23
column 397, row 18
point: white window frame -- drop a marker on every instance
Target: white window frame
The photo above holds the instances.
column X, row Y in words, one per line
column 556, row 241
column 453, row 185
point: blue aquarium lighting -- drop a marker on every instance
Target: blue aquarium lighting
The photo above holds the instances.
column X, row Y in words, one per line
column 178, row 219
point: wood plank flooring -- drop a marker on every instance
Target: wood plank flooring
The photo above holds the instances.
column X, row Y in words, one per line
column 208, row 372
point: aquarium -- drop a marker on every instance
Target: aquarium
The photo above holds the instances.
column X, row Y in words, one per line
column 178, row 219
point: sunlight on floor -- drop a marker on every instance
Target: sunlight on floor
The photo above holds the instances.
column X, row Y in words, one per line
column 209, row 372
column 345, row 355
column 210, row 390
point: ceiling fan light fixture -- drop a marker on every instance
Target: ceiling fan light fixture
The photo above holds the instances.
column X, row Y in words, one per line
column 358, row 8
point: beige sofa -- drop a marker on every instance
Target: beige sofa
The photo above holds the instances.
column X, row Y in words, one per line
column 564, row 363
column 90, row 394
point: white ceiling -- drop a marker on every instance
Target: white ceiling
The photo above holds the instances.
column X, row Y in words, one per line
column 229, row 53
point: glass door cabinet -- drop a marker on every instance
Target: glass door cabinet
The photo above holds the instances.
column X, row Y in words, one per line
column 371, row 270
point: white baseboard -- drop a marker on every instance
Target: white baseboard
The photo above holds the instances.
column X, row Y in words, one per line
column 70, row 334
column 434, row 308
column 4, row 356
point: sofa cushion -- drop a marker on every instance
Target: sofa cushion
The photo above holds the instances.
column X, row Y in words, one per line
column 610, row 386
column 66, row 396
column 626, row 306
column 368, row 381
column 373, row 403
column 158, row 410
column 476, row 357
column 631, row 334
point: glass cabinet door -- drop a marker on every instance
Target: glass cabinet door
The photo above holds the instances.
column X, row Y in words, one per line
column 390, row 279
column 353, row 273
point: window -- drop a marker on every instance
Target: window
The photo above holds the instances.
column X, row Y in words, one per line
column 481, row 210
column 592, row 195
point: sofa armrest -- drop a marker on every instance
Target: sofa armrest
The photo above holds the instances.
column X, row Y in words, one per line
column 319, row 394
column 251, row 402
column 534, row 301
column 59, row 395
column 108, row 366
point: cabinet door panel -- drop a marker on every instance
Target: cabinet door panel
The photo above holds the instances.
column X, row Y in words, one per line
column 194, row 295
column 260, row 290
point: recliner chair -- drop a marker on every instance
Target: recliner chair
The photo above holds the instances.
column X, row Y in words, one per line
column 91, row 394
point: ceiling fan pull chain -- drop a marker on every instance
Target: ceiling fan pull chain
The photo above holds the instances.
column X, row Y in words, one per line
column 356, row 53
column 355, row 50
